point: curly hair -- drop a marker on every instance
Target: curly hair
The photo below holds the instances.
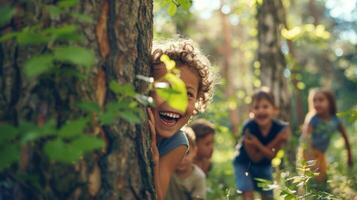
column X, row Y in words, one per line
column 184, row 51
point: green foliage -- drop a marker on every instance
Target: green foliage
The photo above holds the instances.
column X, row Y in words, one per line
column 172, row 5
column 307, row 31
column 71, row 140
column 350, row 115
column 6, row 14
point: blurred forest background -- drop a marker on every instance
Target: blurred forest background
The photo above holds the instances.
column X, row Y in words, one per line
column 74, row 77
column 318, row 39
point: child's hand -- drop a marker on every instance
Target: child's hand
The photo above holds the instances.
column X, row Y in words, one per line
column 154, row 149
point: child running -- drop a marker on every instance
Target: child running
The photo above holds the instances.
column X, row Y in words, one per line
column 204, row 131
column 169, row 144
column 262, row 137
column 320, row 124
column 189, row 181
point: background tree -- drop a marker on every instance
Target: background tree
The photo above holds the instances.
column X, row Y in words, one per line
column 64, row 69
column 270, row 17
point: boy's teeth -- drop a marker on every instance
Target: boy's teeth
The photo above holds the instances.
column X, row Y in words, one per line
column 172, row 115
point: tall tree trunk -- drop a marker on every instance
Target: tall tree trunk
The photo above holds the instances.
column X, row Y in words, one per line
column 121, row 37
column 227, row 51
column 271, row 59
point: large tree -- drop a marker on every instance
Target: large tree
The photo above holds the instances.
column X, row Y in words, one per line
column 42, row 83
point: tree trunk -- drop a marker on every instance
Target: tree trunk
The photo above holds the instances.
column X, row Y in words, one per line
column 121, row 37
column 271, row 59
column 227, row 71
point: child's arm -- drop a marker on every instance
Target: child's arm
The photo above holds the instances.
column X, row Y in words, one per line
column 251, row 149
column 270, row 150
column 166, row 165
column 155, row 155
column 343, row 132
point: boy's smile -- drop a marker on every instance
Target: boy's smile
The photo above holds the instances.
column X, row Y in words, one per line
column 167, row 119
column 263, row 112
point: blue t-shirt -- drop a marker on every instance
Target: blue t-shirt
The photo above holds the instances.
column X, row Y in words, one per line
column 166, row 145
column 322, row 131
column 253, row 127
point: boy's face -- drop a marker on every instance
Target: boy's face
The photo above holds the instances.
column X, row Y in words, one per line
column 205, row 146
column 263, row 112
column 187, row 160
column 167, row 119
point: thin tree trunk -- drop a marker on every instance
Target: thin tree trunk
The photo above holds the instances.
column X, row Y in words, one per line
column 271, row 59
column 226, row 70
column 121, row 37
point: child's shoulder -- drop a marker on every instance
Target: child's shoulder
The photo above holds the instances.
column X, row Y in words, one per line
column 249, row 123
column 168, row 144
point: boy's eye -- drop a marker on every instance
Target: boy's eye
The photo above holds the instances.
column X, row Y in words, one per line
column 190, row 95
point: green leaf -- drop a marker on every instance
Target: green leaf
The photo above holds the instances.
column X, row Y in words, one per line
column 177, row 96
column 89, row 107
column 67, row 3
column 124, row 89
column 130, row 116
column 54, row 11
column 57, row 150
column 38, row 65
column 73, row 128
column 83, row 18
column 87, row 143
column 9, row 154
column 107, row 117
column 30, row 37
column 186, row 4
column 35, row 132
column 7, row 133
column 65, row 32
column 170, row 64
column 76, row 55
column 6, row 14
column 8, row 36
column 172, row 9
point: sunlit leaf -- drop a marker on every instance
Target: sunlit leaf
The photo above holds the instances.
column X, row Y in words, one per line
column 170, row 64
column 76, row 55
column 38, row 64
column 186, row 4
column 172, row 9
column 176, row 97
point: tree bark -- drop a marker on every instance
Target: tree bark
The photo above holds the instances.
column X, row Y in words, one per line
column 271, row 59
column 121, row 36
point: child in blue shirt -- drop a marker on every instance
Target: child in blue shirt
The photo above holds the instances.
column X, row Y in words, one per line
column 320, row 124
column 262, row 138
column 169, row 144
